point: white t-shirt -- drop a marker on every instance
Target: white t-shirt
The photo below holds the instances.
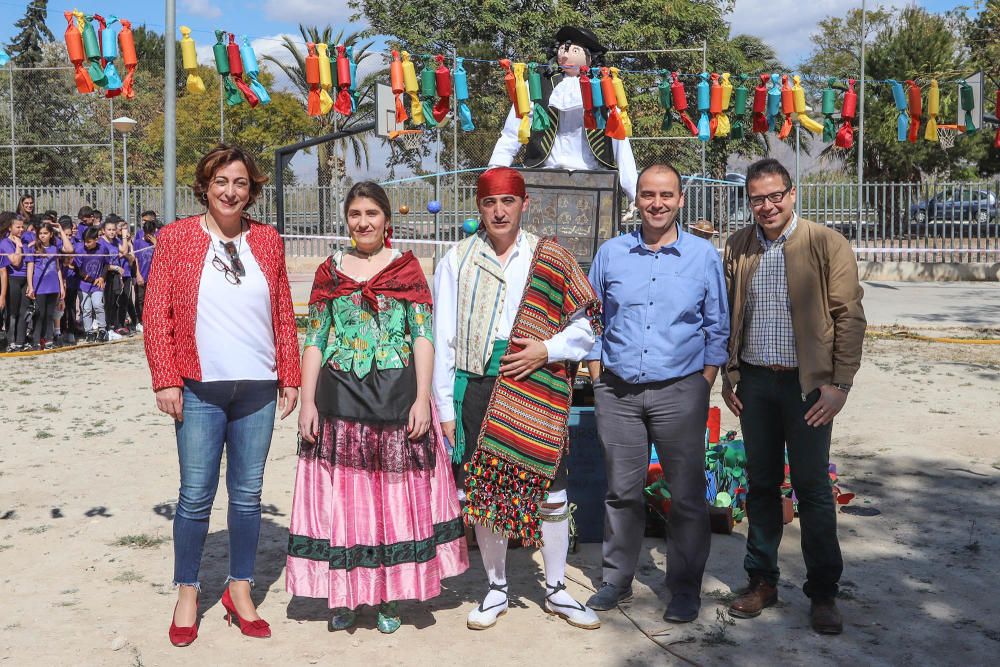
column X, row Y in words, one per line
column 234, row 332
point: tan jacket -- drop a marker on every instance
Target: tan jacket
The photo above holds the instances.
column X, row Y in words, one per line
column 825, row 295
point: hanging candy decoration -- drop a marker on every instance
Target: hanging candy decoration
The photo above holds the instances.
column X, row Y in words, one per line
column 236, row 72
column 398, row 87
column 848, row 111
column 704, row 104
column 799, row 95
column 723, row 126
column 443, row 84
column 787, row 107
column 221, row 55
column 189, row 57
column 77, row 56
column 101, row 25
column 509, row 83
column 92, row 49
column 715, row 105
column 109, row 53
column 741, row 97
column 353, row 88
column 680, row 101
column 462, row 96
column 251, row 68
column 622, row 99
column 587, row 92
column 5, row 58
column 899, row 99
column 522, row 107
column 614, row 127
column 331, row 52
column 829, row 108
column 412, row 89
column 760, row 105
column 915, row 107
column 343, row 104
column 933, row 108
column 313, row 105
column 774, row 104
column 597, row 94
column 325, row 77
column 967, row 100
column 428, row 88
column 540, row 119
column 130, row 59
column 665, row 96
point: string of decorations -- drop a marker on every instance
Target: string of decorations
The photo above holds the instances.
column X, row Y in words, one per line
column 93, row 44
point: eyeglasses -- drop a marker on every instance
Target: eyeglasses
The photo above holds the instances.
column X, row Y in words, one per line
column 774, row 197
column 235, row 270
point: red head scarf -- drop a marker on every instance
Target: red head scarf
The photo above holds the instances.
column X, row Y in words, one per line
column 500, row 181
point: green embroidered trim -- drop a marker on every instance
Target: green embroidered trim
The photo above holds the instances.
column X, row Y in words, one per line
column 387, row 555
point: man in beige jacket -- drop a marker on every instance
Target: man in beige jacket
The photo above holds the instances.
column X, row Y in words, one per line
column 797, row 328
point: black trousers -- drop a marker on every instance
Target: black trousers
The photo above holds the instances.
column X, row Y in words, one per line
column 45, row 314
column 17, row 309
column 69, row 324
column 773, row 418
column 126, row 307
column 112, row 294
column 140, row 301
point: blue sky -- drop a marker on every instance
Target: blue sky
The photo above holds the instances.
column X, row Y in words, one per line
column 266, row 20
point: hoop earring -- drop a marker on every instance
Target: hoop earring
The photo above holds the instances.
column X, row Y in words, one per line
column 204, row 197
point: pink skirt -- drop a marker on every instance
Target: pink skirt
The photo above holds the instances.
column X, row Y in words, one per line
column 375, row 517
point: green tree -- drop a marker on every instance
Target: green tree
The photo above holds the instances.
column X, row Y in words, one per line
column 984, row 51
column 26, row 47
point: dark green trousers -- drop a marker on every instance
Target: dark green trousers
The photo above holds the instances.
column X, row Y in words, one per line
column 773, row 417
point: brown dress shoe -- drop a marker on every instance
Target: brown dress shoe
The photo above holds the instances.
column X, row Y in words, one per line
column 825, row 618
column 758, row 595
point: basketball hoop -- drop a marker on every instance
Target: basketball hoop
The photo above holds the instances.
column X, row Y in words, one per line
column 947, row 134
column 408, row 139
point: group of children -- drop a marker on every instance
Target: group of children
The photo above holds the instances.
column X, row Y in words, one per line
column 66, row 281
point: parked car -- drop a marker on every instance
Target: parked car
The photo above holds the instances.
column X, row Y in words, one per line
column 961, row 211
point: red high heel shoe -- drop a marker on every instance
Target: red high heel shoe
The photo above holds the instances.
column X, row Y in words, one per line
column 183, row 636
column 259, row 628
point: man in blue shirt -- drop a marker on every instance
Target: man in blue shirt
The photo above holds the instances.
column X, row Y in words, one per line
column 666, row 330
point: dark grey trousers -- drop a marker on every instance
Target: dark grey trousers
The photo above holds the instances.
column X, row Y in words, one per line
column 672, row 415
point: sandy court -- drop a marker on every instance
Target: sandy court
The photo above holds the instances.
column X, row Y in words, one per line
column 87, row 495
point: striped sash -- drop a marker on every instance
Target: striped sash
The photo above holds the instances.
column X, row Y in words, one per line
column 524, row 433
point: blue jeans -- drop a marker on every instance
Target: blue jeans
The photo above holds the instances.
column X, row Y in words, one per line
column 239, row 415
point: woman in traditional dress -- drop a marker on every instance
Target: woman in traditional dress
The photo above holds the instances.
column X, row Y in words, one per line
column 375, row 517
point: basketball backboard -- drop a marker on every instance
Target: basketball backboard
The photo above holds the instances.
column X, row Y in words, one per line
column 385, row 111
column 976, row 82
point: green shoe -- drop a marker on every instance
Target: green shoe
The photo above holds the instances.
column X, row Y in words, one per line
column 388, row 618
column 342, row 619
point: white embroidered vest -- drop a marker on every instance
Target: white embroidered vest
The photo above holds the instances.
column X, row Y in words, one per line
column 481, row 292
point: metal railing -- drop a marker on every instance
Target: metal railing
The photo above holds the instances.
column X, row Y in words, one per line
column 924, row 222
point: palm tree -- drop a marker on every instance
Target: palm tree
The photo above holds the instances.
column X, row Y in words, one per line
column 330, row 167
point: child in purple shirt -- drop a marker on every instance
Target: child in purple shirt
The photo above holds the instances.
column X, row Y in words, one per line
column 13, row 247
column 91, row 264
column 142, row 250
column 45, row 284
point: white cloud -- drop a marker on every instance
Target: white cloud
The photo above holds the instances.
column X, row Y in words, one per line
column 309, row 12
column 200, row 8
column 788, row 25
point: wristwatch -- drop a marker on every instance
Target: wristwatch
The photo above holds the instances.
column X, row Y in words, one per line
column 846, row 388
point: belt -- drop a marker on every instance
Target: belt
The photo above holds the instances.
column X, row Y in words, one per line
column 775, row 367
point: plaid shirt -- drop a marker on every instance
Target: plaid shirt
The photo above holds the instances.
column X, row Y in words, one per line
column 768, row 338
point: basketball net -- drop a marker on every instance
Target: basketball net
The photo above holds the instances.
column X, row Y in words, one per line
column 947, row 136
column 408, row 139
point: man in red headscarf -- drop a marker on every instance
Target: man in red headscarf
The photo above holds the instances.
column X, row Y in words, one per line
column 511, row 309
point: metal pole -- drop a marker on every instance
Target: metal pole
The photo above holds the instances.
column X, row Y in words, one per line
column 13, row 151
column 704, row 174
column 336, row 182
column 798, row 192
column 454, row 152
column 861, row 125
column 114, row 182
column 127, row 214
column 170, row 115
column 222, row 112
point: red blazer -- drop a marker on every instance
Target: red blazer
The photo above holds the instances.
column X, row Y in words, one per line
column 170, row 311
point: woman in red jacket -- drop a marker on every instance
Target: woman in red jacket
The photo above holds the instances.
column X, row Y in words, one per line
column 223, row 352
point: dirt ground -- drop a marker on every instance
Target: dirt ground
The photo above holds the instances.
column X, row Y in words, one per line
column 88, row 486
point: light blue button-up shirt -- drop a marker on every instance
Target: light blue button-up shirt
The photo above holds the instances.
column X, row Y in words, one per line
column 665, row 312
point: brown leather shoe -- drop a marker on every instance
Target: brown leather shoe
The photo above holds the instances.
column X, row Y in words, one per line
column 758, row 595
column 825, row 618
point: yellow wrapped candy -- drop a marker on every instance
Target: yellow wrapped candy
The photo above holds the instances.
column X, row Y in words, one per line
column 933, row 109
column 189, row 58
column 523, row 103
column 799, row 94
column 325, row 78
column 723, row 126
column 412, row 88
column 622, row 100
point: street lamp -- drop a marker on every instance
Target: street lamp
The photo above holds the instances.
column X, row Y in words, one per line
column 125, row 125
